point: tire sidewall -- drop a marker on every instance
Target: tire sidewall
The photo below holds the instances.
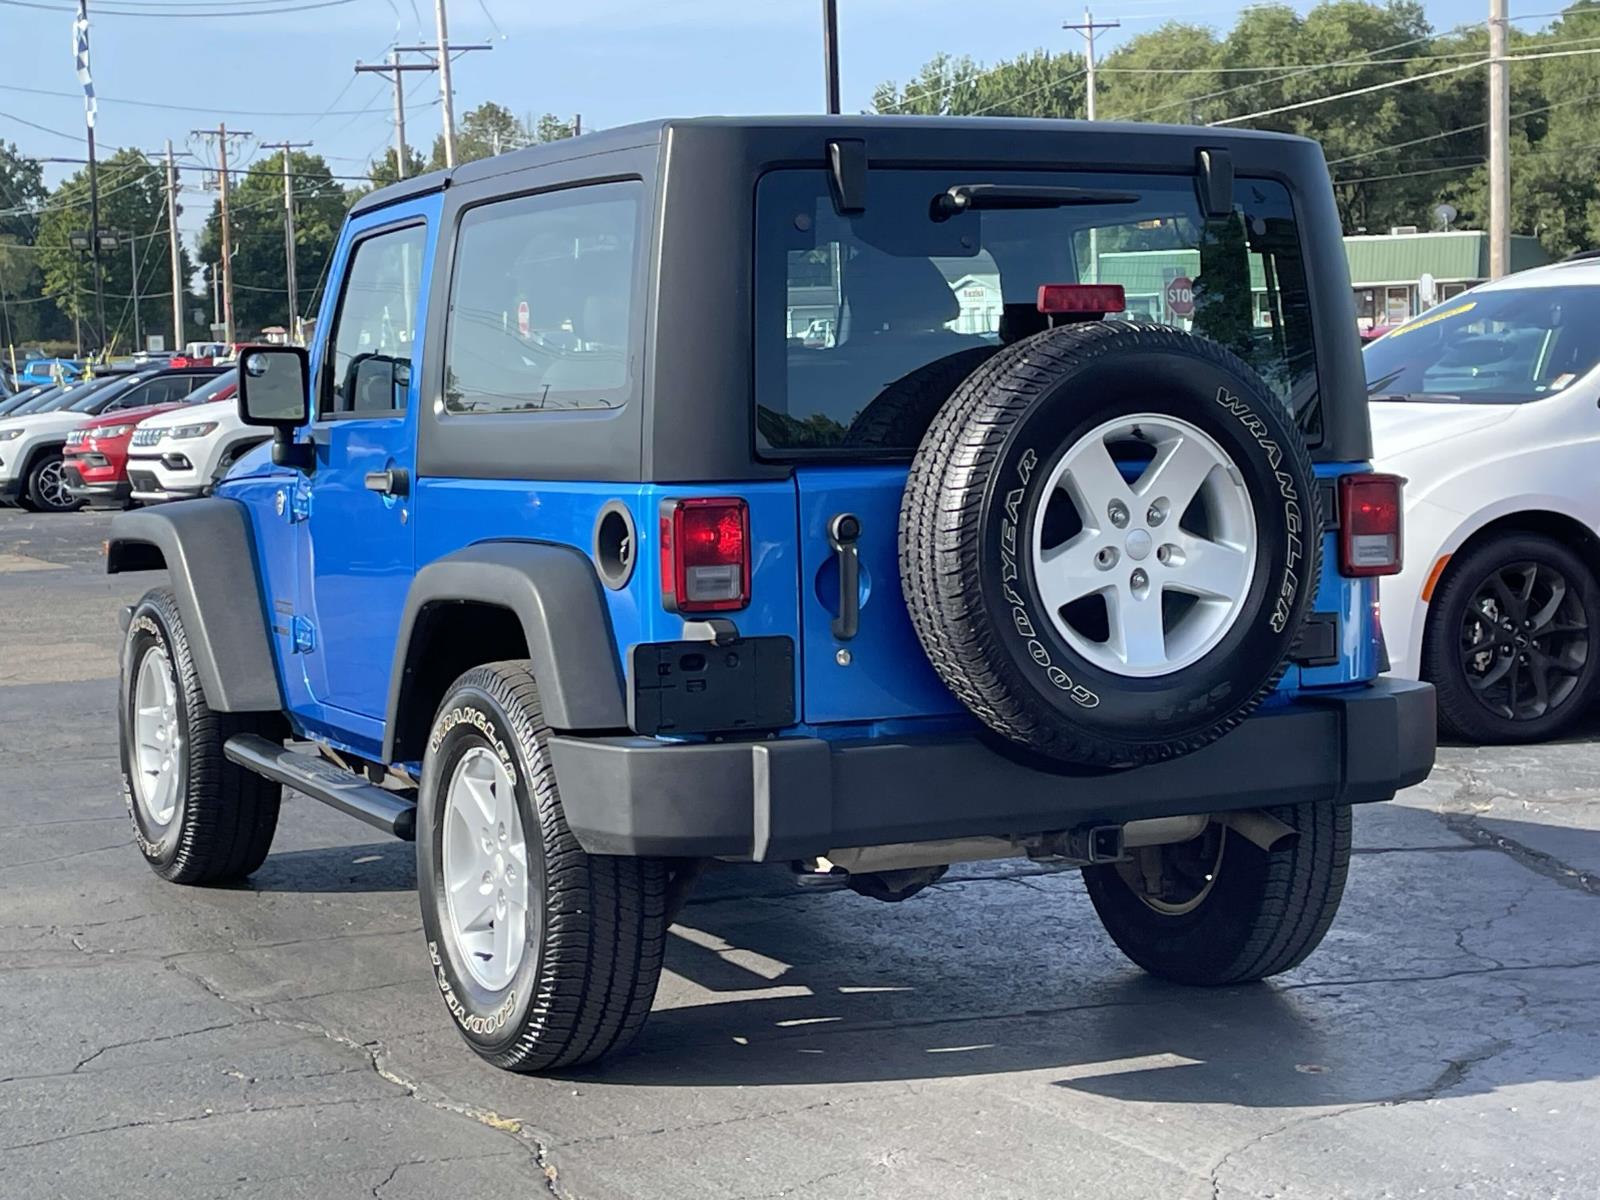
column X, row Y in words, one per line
column 148, row 630
column 1221, row 399
column 471, row 717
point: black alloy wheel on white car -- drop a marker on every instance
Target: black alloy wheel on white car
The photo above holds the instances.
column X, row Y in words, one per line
column 1513, row 640
column 1109, row 540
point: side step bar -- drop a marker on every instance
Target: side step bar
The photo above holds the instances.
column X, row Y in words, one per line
column 321, row 780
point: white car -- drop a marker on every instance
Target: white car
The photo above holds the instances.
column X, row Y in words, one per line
column 31, row 472
column 1489, row 405
column 183, row 453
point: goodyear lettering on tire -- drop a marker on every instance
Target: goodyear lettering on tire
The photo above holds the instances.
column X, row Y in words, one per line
column 1022, row 623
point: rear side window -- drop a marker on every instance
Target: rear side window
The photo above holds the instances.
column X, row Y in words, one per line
column 866, row 323
column 542, row 312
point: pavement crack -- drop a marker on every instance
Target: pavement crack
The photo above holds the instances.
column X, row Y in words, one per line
column 150, row 1041
column 1547, row 865
column 376, row 1059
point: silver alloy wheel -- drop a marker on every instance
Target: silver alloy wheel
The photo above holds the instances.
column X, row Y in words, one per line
column 1136, row 547
column 53, row 485
column 485, row 869
column 159, row 748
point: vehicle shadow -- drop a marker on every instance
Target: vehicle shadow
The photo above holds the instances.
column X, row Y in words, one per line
column 386, row 866
column 818, row 992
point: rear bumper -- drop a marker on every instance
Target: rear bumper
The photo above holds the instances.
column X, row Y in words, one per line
column 794, row 797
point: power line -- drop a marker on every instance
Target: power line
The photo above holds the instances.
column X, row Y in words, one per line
column 1361, row 91
column 106, row 10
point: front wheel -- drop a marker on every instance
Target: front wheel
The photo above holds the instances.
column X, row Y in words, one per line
column 197, row 817
column 546, row 956
column 1513, row 641
column 1218, row 909
column 47, row 486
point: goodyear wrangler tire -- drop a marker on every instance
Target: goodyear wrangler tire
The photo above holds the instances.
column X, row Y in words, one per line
column 547, row 957
column 1109, row 540
column 197, row 817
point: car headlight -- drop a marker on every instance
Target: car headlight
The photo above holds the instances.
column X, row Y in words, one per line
column 7, row 435
column 180, row 432
column 110, row 431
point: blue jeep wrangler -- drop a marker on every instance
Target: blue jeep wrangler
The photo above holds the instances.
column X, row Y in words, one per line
column 580, row 559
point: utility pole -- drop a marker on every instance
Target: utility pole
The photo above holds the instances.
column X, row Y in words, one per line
column 216, row 297
column 176, row 250
column 577, row 125
column 830, row 53
column 222, row 135
column 288, row 229
column 1499, row 144
column 445, row 92
column 397, row 68
column 133, row 274
column 1088, row 29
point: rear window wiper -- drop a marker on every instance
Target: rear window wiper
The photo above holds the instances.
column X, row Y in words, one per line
column 965, row 197
column 1440, row 397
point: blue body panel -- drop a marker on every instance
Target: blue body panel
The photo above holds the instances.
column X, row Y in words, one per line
column 336, row 561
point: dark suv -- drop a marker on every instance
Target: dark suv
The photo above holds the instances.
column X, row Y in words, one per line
column 581, row 557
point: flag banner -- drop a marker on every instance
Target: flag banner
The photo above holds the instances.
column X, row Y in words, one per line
column 80, row 62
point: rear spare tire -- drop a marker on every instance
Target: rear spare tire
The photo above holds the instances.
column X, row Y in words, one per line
column 1109, row 539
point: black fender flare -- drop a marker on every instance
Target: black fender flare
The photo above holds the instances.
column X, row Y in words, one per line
column 556, row 596
column 208, row 551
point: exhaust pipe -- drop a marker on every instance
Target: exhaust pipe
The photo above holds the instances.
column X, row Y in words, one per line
column 1262, row 830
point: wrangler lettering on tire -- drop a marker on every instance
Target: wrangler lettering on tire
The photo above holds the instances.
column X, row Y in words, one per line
column 1109, row 540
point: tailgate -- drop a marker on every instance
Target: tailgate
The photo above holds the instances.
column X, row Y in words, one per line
column 881, row 673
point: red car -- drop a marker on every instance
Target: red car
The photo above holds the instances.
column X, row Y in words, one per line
column 95, row 459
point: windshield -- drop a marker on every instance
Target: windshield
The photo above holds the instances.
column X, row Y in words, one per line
column 21, row 400
column 1495, row 346
column 857, row 313
column 100, row 391
column 219, row 388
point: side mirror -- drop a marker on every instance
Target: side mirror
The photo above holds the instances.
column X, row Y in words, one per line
column 274, row 391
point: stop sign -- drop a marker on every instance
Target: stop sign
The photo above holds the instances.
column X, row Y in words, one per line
column 523, row 324
column 1180, row 296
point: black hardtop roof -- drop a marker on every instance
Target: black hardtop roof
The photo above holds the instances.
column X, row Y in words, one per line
column 940, row 130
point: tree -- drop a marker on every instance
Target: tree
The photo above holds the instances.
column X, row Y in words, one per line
column 1038, row 84
column 260, row 296
column 382, row 171
column 133, row 208
column 26, row 314
column 492, row 129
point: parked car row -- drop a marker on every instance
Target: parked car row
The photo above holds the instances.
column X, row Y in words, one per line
column 140, row 434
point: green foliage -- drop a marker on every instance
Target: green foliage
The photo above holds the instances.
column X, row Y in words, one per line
column 492, row 129
column 133, row 207
column 260, row 298
column 1395, row 154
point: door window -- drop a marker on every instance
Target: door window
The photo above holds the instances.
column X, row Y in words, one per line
column 373, row 341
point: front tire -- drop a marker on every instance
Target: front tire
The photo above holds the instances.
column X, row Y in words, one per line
column 547, row 957
column 197, row 817
column 47, row 485
column 1220, row 910
column 1513, row 641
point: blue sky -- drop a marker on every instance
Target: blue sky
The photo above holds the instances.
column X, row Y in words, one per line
column 612, row 60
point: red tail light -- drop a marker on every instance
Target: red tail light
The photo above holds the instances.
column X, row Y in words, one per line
column 705, row 554
column 1370, row 524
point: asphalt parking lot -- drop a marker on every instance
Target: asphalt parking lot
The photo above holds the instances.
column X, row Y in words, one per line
column 284, row 1039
